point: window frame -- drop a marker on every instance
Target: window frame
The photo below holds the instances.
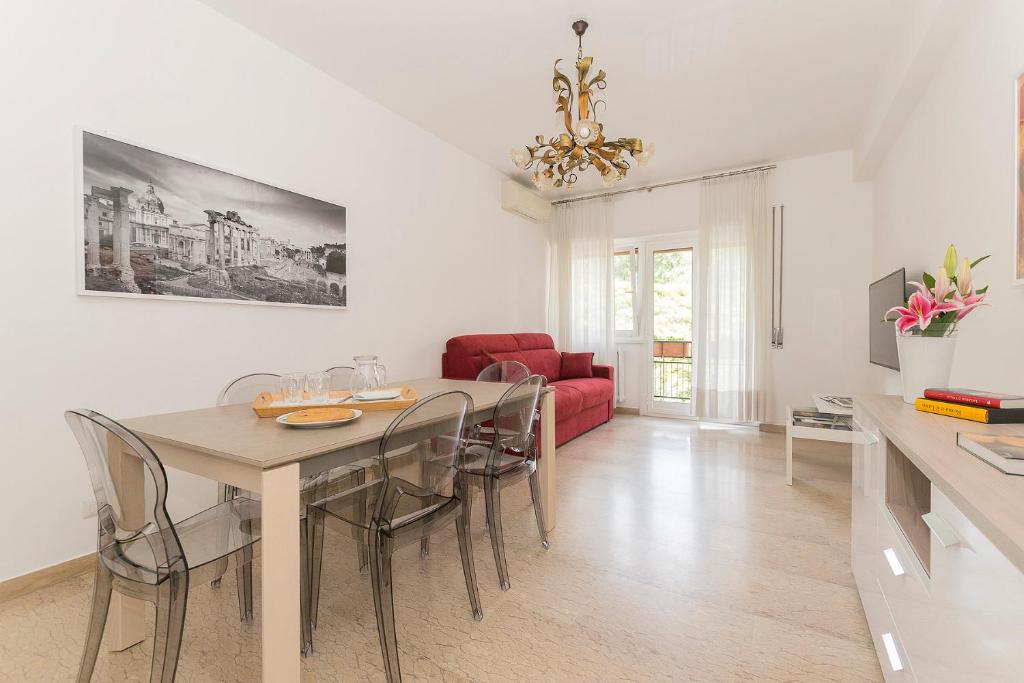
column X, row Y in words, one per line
column 634, row 335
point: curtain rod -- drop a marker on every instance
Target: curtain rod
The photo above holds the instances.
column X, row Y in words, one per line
column 724, row 174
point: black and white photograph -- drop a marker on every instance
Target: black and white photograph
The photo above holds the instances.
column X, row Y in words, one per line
column 156, row 225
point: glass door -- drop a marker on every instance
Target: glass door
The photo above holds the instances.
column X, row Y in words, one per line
column 670, row 275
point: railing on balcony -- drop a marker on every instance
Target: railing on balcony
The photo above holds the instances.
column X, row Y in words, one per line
column 673, row 370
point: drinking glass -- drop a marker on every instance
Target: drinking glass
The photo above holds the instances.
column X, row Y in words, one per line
column 319, row 386
column 292, row 386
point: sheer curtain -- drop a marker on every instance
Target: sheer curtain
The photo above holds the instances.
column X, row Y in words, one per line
column 580, row 284
column 732, row 313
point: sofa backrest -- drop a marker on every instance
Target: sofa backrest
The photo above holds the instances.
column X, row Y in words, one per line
column 466, row 355
column 541, row 356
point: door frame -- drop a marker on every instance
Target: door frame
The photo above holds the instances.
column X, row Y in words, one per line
column 683, row 240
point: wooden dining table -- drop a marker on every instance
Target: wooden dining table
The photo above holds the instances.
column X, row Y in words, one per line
column 231, row 444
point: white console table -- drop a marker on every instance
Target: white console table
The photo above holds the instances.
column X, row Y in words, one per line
column 795, row 431
column 937, row 548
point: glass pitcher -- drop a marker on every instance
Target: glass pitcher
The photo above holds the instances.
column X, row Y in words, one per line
column 369, row 375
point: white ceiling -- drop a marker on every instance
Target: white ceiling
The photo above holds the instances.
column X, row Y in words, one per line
column 714, row 84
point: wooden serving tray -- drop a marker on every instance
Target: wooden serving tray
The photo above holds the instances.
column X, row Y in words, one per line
column 263, row 406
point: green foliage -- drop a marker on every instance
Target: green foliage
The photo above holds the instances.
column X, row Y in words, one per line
column 673, row 295
column 336, row 262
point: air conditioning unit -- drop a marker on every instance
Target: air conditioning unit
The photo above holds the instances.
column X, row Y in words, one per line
column 518, row 200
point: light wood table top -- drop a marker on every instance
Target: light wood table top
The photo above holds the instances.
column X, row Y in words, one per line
column 236, row 433
column 993, row 501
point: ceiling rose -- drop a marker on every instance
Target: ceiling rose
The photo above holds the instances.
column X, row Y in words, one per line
column 583, row 144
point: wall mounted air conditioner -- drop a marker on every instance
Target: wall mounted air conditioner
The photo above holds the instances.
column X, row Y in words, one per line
column 518, row 200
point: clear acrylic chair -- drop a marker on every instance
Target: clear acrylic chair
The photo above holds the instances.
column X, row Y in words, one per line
column 242, row 389
column 507, row 459
column 140, row 552
column 509, row 371
column 421, row 490
column 504, row 371
column 245, row 389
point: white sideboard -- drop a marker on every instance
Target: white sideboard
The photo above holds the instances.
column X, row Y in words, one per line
column 937, row 548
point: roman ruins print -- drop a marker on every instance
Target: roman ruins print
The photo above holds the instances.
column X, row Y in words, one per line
column 158, row 226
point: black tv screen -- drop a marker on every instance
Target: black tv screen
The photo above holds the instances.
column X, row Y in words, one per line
column 883, row 294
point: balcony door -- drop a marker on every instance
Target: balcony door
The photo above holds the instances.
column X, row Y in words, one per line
column 669, row 311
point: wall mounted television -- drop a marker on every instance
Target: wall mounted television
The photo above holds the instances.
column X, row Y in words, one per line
column 883, row 294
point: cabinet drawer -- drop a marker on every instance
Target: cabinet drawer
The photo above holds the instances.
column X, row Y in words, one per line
column 892, row 657
column 977, row 604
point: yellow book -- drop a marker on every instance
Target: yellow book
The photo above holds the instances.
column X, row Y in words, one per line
column 963, row 412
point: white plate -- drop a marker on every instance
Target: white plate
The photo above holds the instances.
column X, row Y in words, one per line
column 382, row 395
column 282, row 419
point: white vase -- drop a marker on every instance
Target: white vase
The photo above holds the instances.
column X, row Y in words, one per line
column 925, row 363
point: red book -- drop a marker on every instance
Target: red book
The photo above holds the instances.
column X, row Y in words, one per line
column 971, row 397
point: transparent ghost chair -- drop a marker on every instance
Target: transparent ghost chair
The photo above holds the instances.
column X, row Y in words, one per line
column 245, row 389
column 506, row 459
column 140, row 552
column 509, row 371
column 417, row 494
column 504, row 371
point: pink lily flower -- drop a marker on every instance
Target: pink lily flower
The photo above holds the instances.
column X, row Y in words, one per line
column 943, row 285
column 921, row 308
column 963, row 278
column 966, row 304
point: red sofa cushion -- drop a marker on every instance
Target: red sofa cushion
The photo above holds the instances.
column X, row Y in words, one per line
column 541, row 356
column 568, row 401
column 545, row 362
column 593, row 391
column 577, row 365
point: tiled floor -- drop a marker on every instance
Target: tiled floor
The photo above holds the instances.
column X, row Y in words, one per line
column 679, row 555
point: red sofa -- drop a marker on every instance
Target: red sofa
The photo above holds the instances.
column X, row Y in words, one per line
column 580, row 404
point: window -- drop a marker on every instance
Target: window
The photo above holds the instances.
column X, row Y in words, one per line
column 626, row 315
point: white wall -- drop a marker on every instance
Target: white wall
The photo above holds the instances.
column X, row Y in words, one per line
column 422, row 219
column 825, row 282
column 827, row 265
column 949, row 178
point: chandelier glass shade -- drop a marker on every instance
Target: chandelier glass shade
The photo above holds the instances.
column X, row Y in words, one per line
column 558, row 161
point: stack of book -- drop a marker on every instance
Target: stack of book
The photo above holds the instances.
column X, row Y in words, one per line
column 968, row 404
column 1005, row 453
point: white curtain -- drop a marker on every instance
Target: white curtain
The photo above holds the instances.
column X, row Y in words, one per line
column 732, row 334
column 580, row 284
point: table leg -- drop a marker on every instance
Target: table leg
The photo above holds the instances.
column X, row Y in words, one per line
column 126, row 618
column 280, row 585
column 546, row 465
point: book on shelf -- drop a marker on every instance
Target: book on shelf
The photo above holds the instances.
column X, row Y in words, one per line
column 1005, row 453
column 973, row 413
column 982, row 399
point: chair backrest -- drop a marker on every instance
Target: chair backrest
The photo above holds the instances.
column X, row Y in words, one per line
column 432, row 431
column 341, row 377
column 514, row 418
column 247, row 387
column 127, row 539
column 504, row 371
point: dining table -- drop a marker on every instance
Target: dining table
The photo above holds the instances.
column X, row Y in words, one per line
column 232, row 445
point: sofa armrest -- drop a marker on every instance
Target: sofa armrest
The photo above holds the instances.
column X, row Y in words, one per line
column 604, row 371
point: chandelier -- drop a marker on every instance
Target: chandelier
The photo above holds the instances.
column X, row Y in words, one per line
column 584, row 144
